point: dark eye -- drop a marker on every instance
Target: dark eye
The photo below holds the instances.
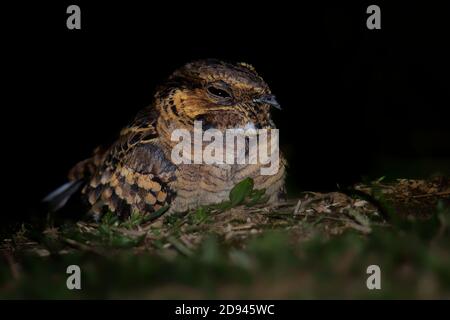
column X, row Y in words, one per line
column 218, row 92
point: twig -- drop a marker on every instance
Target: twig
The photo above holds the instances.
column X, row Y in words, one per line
column 297, row 207
column 436, row 194
column 361, row 228
column 243, row 227
column 179, row 246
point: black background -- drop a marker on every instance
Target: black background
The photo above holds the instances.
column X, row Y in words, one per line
column 356, row 102
column 284, row 309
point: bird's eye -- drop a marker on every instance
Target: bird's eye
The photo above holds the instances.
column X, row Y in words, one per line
column 218, row 92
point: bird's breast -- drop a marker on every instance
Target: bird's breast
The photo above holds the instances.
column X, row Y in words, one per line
column 198, row 185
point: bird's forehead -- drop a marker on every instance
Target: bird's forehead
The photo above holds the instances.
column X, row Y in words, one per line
column 236, row 77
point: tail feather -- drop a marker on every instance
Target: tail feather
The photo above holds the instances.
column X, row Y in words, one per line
column 78, row 175
column 59, row 197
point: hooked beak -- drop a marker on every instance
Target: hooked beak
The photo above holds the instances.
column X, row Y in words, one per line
column 268, row 99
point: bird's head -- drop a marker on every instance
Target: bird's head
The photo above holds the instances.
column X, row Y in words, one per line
column 221, row 95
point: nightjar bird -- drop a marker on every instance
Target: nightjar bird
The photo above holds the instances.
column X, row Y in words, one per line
column 136, row 172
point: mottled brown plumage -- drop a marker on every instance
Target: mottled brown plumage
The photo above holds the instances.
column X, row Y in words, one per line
column 136, row 172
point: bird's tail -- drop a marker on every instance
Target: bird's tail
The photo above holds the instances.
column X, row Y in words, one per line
column 56, row 199
column 78, row 176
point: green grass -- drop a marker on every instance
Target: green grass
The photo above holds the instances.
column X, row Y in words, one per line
column 237, row 250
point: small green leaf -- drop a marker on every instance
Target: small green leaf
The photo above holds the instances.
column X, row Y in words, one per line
column 121, row 241
column 158, row 213
column 104, row 230
column 133, row 221
column 110, row 219
column 200, row 215
column 225, row 205
column 257, row 197
column 241, row 191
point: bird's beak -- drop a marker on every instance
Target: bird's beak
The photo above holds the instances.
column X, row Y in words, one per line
column 268, row 99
